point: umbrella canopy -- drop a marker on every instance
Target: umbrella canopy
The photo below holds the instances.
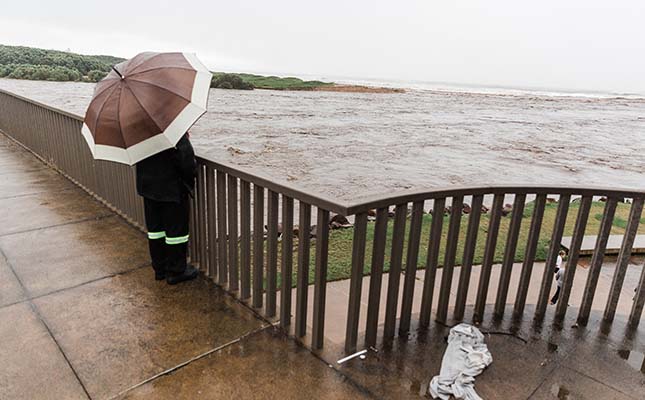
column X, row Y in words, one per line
column 145, row 105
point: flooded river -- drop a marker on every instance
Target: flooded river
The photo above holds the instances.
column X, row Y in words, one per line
column 348, row 145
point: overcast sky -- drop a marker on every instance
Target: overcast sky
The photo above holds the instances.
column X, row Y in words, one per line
column 583, row 45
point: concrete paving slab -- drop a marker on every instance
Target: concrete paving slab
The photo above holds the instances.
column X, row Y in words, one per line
column 55, row 258
column 570, row 385
column 43, row 210
column 614, row 242
column 32, row 366
column 265, row 365
column 120, row 331
column 10, row 289
column 32, row 181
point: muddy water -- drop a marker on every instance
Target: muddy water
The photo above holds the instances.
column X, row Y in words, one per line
column 350, row 144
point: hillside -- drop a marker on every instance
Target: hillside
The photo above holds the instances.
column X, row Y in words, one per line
column 20, row 62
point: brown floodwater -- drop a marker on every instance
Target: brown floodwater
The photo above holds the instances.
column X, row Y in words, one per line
column 348, row 145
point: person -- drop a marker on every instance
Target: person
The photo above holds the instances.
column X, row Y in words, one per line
column 165, row 181
column 559, row 277
column 558, row 262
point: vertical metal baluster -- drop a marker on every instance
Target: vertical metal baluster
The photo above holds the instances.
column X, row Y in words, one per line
column 258, row 245
column 449, row 260
column 596, row 260
column 416, row 222
column 469, row 253
column 212, row 223
column 320, row 279
column 398, row 237
column 245, row 243
column 376, row 276
column 509, row 255
column 272, row 253
column 287, row 261
column 489, row 255
column 554, row 249
column 356, row 282
column 432, row 261
column 623, row 259
column 222, row 234
column 572, row 261
column 529, row 255
column 201, row 223
column 195, row 234
column 638, row 304
column 302, row 284
column 234, row 276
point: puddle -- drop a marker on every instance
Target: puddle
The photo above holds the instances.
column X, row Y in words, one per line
column 561, row 392
column 552, row 348
column 634, row 359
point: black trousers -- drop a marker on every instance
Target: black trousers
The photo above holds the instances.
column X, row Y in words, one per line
column 167, row 224
column 556, row 296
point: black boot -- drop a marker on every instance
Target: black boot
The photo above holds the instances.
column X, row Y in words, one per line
column 177, row 268
column 189, row 273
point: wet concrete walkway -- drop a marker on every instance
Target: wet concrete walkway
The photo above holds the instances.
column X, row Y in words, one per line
column 82, row 317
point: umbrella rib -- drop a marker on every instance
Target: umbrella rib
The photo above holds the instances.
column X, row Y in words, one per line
column 144, row 109
column 147, row 60
column 166, row 67
column 98, row 113
column 160, row 87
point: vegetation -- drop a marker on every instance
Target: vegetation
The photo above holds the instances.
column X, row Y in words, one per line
column 340, row 241
column 250, row 81
column 19, row 62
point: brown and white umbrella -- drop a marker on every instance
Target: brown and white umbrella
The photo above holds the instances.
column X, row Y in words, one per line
column 145, row 105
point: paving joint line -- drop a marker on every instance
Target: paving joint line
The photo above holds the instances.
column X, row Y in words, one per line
column 56, row 191
column 35, row 310
column 95, row 218
column 191, row 360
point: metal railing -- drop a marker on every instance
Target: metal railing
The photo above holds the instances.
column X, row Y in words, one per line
column 230, row 245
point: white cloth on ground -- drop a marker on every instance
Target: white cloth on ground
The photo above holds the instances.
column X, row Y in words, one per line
column 466, row 357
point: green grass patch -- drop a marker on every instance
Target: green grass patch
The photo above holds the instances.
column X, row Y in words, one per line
column 340, row 241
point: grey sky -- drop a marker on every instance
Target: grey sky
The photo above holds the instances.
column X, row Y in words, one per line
column 585, row 45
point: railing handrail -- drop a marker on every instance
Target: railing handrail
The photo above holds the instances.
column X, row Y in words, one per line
column 374, row 201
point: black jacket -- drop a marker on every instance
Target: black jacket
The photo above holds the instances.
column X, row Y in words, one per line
column 169, row 175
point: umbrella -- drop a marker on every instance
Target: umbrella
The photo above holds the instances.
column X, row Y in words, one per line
column 145, row 105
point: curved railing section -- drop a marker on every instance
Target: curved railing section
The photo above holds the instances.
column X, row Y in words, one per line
column 243, row 238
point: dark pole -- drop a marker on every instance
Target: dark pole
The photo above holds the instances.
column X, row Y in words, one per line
column 118, row 73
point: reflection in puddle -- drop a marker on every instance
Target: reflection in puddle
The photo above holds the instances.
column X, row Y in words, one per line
column 561, row 392
column 634, row 359
column 552, row 347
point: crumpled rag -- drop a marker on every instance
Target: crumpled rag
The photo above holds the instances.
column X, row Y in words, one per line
column 466, row 357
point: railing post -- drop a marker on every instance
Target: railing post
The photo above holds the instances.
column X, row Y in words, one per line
column 509, row 255
column 222, row 233
column 529, row 255
column 302, row 284
column 320, row 279
column 414, row 238
column 554, row 249
column 233, row 238
column 431, row 261
column 449, row 261
column 639, row 302
column 572, row 261
column 597, row 260
column 258, row 245
column 376, row 276
column 489, row 255
column 272, row 253
column 356, row 282
column 469, row 253
column 287, row 261
column 245, row 240
column 398, row 238
column 212, row 223
column 623, row 259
